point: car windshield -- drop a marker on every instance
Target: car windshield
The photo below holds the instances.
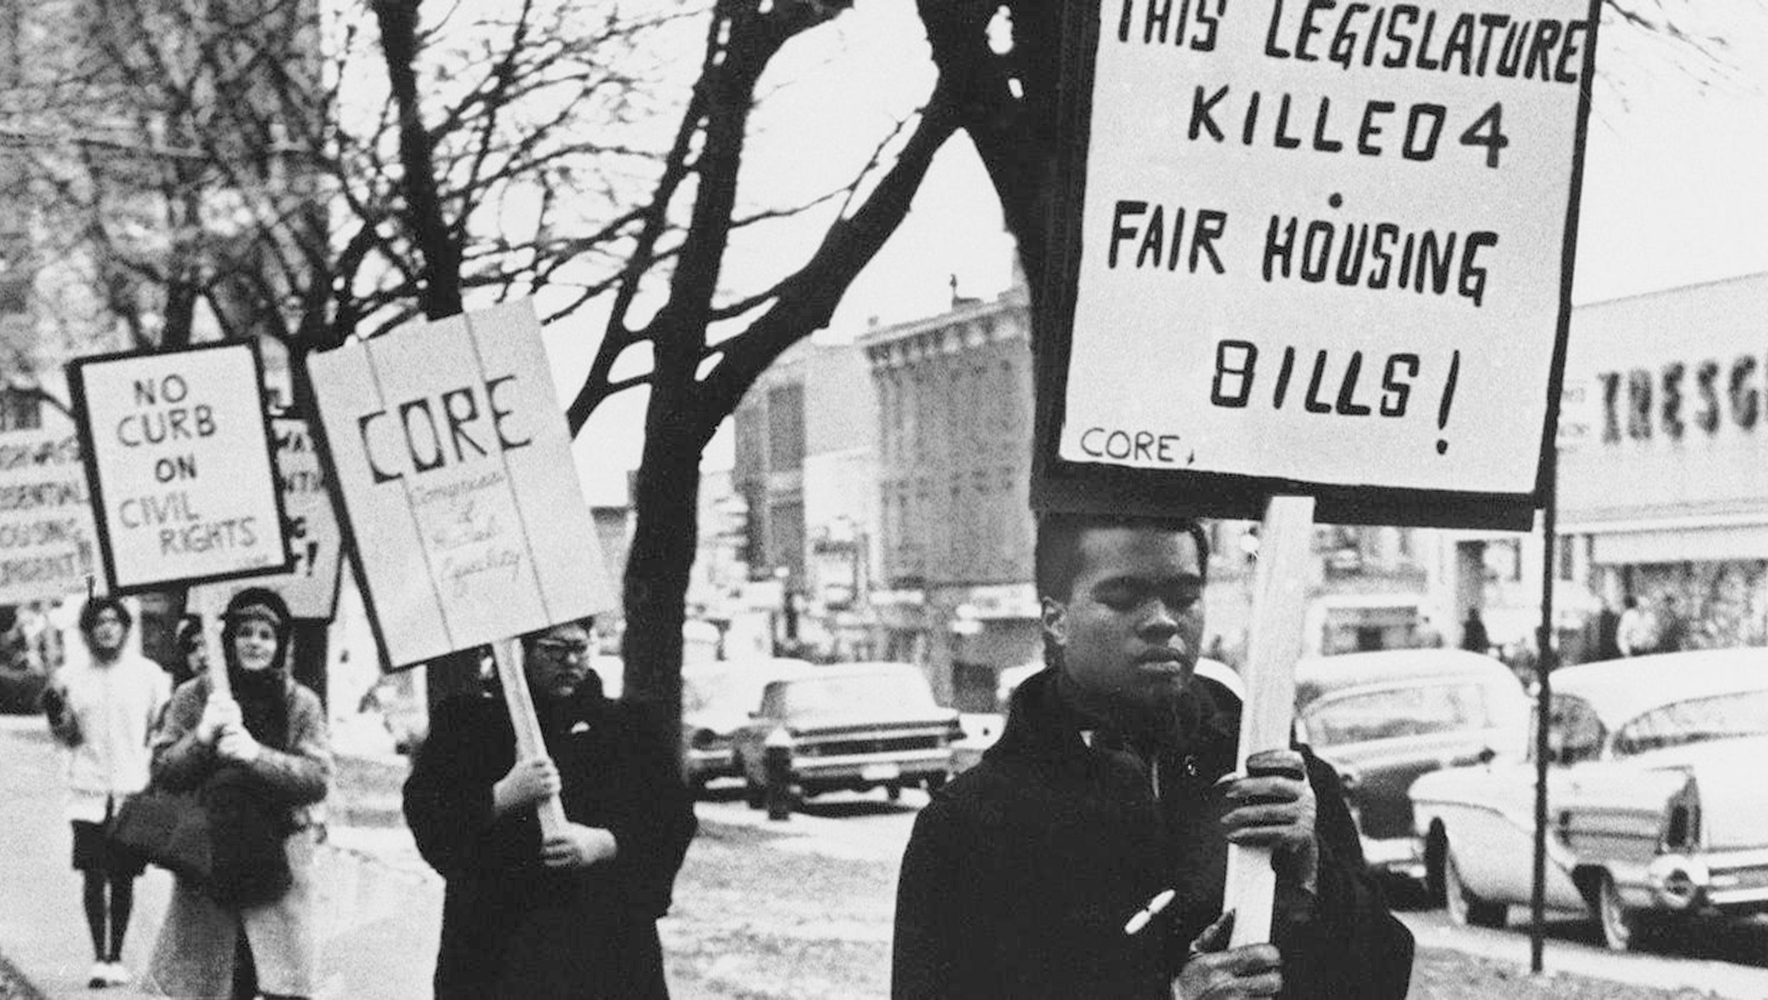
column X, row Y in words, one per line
column 1393, row 713
column 724, row 690
column 870, row 693
column 1575, row 733
column 1744, row 713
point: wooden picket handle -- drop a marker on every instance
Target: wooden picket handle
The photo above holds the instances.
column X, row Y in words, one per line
column 209, row 617
column 529, row 741
column 1279, row 603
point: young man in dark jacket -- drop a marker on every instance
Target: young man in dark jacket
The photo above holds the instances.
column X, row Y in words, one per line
column 568, row 916
column 1045, row 870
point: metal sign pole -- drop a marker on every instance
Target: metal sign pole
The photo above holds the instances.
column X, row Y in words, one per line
column 1544, row 662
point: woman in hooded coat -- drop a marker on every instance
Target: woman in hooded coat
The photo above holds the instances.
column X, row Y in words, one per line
column 267, row 743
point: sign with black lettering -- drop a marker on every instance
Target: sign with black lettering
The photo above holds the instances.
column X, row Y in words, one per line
column 177, row 451
column 452, row 462
column 315, row 541
column 48, row 544
column 1318, row 248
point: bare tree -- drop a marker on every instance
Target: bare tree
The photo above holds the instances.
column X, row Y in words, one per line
column 998, row 63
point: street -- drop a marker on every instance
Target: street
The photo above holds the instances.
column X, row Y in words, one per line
column 1727, row 961
column 779, row 909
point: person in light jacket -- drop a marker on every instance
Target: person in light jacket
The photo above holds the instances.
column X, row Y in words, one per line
column 102, row 711
column 270, row 740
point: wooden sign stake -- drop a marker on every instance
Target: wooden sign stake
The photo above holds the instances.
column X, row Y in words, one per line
column 529, row 742
column 209, row 615
column 1278, row 603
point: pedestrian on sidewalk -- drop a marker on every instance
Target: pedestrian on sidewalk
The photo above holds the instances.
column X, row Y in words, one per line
column 268, row 743
column 102, row 711
column 1085, row 856
column 1474, row 637
column 573, row 915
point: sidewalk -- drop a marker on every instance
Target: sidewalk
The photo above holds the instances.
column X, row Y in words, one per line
column 381, row 904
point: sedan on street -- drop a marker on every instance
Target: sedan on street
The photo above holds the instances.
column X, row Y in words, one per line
column 1656, row 807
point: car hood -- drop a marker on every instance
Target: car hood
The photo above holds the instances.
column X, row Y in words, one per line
column 722, row 723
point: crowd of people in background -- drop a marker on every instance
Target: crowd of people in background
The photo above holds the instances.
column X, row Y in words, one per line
column 254, row 750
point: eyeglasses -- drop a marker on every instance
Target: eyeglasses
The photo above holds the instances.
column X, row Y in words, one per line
column 562, row 649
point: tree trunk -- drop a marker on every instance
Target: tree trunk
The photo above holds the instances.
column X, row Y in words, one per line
column 663, row 545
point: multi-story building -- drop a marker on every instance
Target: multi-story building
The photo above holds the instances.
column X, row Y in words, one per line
column 955, row 408
column 805, row 467
column 1663, row 497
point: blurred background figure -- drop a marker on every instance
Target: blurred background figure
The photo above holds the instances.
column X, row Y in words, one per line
column 1474, row 637
column 1637, row 633
column 102, row 710
column 193, row 655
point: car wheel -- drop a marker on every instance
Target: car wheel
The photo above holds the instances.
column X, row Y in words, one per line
column 1623, row 929
column 1464, row 906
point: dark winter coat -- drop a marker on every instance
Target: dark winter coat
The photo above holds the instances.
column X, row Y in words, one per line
column 1021, row 874
column 511, row 927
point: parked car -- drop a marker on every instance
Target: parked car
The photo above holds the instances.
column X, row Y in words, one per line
column 1655, row 800
column 718, row 699
column 21, row 688
column 1384, row 718
column 850, row 726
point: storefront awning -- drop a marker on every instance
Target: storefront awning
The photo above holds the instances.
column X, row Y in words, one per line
column 1679, row 544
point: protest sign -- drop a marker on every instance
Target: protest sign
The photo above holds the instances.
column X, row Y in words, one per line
column 316, row 542
column 1314, row 248
column 48, row 544
column 177, row 451
column 451, row 459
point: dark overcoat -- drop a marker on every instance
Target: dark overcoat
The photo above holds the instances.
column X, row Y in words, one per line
column 1021, row 875
column 510, row 926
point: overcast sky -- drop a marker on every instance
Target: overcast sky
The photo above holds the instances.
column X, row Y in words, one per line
column 1674, row 189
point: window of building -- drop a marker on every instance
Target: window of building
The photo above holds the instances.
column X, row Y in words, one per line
column 785, row 427
column 786, row 536
column 19, row 411
column 749, row 457
column 12, row 48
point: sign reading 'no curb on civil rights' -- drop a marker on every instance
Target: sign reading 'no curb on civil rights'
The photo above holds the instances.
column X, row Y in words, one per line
column 177, row 452
column 1315, row 248
column 461, row 499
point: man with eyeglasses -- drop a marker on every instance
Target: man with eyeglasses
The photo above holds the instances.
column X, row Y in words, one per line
column 573, row 914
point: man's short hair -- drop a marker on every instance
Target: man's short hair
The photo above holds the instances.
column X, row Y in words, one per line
column 89, row 614
column 1058, row 544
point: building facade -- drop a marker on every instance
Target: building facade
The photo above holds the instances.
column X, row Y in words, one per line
column 805, row 468
column 1664, row 496
column 955, row 421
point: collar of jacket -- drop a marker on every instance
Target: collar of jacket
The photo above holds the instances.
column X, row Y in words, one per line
column 1040, row 725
